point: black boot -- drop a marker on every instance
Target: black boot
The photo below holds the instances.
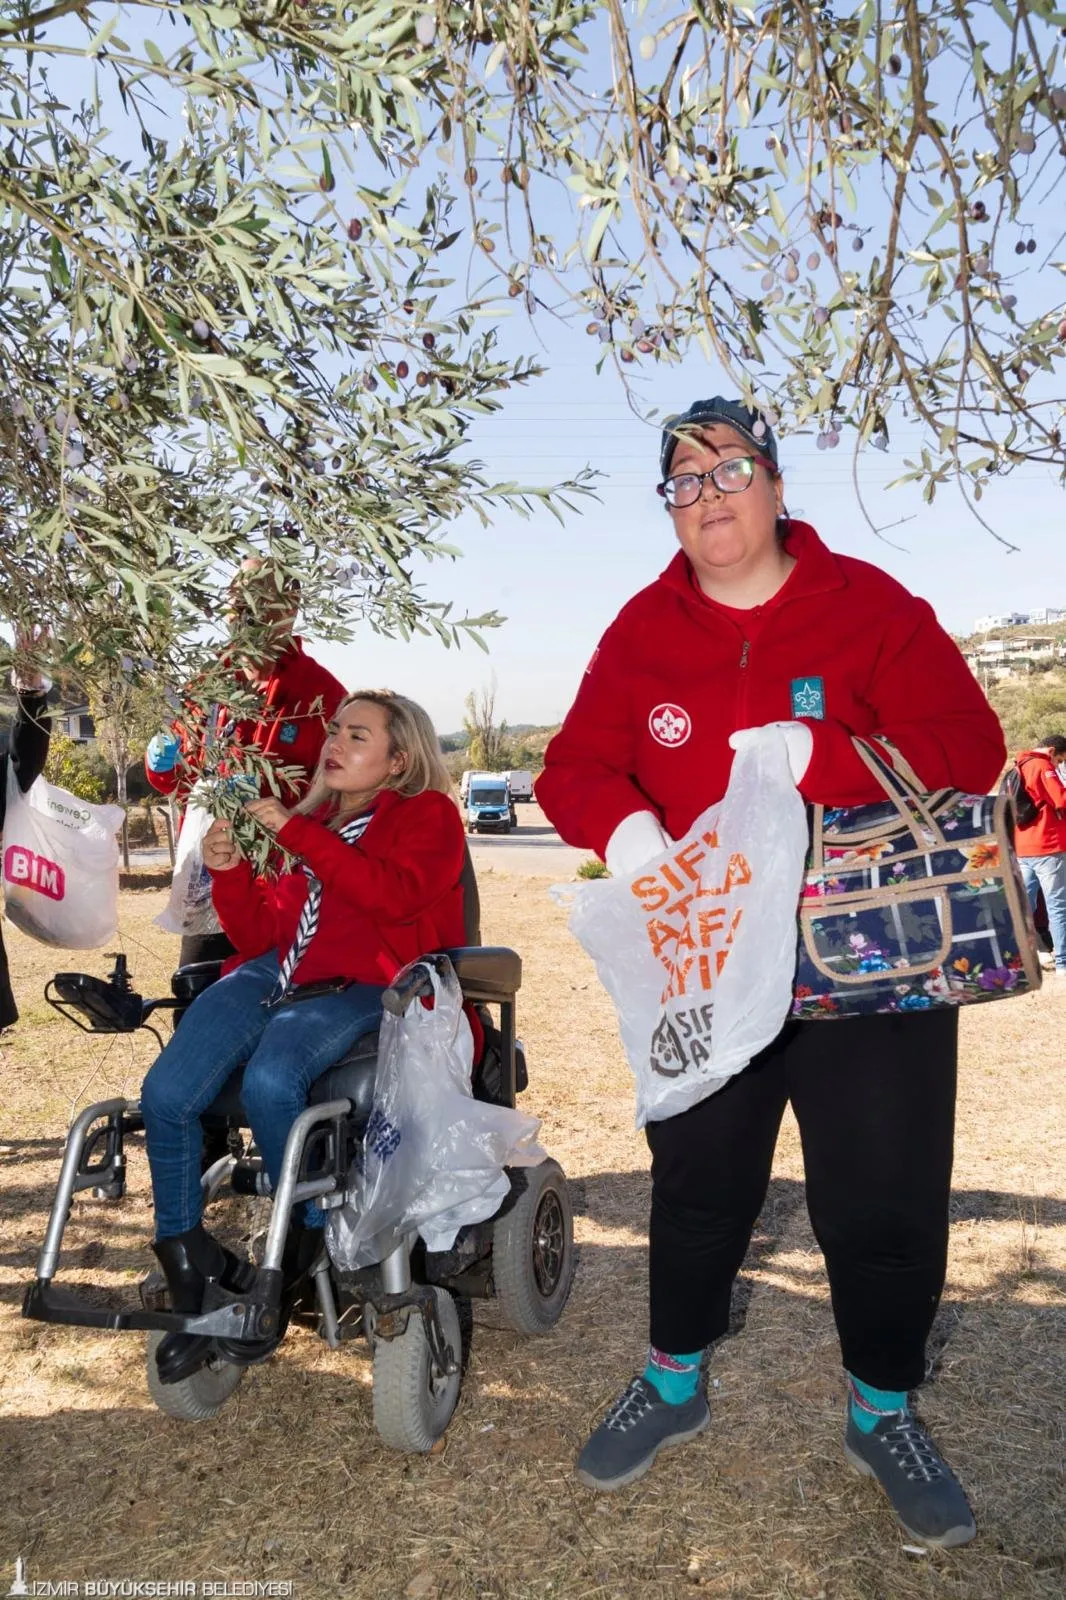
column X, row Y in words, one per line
column 301, row 1250
column 188, row 1260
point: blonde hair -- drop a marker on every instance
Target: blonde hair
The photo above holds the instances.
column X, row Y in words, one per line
column 411, row 735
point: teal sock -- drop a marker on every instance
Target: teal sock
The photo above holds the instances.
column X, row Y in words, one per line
column 674, row 1378
column 868, row 1405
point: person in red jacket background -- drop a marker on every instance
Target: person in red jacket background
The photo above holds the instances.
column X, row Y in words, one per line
column 1041, row 847
column 756, row 622
column 379, row 847
column 297, row 696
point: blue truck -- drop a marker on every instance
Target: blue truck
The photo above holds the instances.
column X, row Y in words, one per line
column 489, row 807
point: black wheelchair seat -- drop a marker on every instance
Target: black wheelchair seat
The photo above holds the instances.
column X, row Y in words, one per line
column 350, row 1078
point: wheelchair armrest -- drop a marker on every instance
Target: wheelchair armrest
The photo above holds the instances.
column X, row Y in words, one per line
column 487, row 974
column 193, row 979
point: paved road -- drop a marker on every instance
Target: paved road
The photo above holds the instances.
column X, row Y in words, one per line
column 533, row 849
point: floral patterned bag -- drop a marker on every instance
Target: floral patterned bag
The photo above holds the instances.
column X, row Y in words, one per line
column 911, row 902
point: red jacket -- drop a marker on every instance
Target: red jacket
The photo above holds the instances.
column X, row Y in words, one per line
column 386, row 900
column 1047, row 835
column 675, row 674
column 299, row 699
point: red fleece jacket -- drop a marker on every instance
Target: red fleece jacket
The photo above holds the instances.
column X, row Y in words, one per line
column 675, row 674
column 386, row 900
column 299, row 698
column 1047, row 835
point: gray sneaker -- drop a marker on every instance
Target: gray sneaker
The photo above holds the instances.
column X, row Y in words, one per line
column 925, row 1493
column 638, row 1425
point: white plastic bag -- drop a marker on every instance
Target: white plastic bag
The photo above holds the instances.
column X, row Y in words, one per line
column 698, row 949
column 190, row 909
column 60, row 865
column 433, row 1156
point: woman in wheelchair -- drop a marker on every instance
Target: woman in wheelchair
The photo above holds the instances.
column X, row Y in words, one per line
column 375, row 880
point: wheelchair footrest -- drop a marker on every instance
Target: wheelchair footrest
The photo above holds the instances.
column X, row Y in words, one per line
column 236, row 1319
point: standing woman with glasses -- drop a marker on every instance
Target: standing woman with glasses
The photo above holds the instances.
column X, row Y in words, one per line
column 756, row 622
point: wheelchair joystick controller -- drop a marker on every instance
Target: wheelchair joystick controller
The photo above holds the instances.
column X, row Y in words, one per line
column 119, row 975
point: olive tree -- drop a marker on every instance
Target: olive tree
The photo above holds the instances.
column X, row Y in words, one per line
column 231, row 323
column 227, row 325
column 852, row 213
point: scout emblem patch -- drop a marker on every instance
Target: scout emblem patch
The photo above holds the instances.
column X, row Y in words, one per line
column 808, row 697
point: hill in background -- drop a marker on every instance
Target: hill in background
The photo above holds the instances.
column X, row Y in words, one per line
column 525, row 746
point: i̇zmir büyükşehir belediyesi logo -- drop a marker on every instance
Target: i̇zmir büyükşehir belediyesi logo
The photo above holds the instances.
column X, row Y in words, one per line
column 19, row 1586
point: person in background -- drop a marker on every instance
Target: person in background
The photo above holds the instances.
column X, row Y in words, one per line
column 1041, row 847
column 755, row 622
column 297, row 699
column 26, row 756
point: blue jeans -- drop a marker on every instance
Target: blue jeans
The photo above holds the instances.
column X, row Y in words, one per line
column 283, row 1051
column 1049, row 873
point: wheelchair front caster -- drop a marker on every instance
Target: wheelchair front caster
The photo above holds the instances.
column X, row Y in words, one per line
column 533, row 1249
column 200, row 1396
column 413, row 1398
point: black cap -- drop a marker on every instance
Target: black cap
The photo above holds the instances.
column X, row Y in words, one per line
column 751, row 425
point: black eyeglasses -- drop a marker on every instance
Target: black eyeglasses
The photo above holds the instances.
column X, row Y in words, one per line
column 731, row 476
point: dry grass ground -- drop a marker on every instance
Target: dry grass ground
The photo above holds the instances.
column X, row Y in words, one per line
column 292, row 1483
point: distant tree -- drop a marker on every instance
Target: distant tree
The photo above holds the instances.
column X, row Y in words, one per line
column 125, row 710
column 489, row 748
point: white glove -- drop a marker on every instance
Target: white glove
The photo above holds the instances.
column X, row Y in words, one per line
column 799, row 743
column 637, row 838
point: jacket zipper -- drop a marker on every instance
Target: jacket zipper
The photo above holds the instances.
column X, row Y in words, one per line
column 742, row 687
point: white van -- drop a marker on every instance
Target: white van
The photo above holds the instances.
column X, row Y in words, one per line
column 520, row 785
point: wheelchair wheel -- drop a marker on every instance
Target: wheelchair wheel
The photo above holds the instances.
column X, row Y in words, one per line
column 533, row 1250
column 413, row 1402
column 198, row 1397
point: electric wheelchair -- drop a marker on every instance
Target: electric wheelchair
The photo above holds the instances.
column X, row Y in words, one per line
column 413, row 1305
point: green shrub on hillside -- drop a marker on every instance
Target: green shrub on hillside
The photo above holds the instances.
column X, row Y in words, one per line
column 1030, row 707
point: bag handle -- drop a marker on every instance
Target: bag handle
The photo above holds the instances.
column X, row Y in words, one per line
column 902, row 789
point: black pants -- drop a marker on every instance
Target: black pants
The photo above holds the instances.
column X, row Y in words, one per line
column 875, row 1101
column 204, row 947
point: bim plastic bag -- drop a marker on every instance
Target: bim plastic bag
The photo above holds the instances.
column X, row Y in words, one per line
column 60, row 865
column 698, row 949
column 190, row 909
column 433, row 1157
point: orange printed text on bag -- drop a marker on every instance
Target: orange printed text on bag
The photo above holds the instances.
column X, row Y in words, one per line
column 911, row 902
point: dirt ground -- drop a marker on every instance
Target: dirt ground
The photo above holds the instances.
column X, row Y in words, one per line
column 291, row 1483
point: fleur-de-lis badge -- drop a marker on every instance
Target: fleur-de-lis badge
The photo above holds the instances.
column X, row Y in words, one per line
column 670, row 725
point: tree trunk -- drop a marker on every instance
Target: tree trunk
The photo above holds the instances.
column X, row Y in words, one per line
column 120, row 785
